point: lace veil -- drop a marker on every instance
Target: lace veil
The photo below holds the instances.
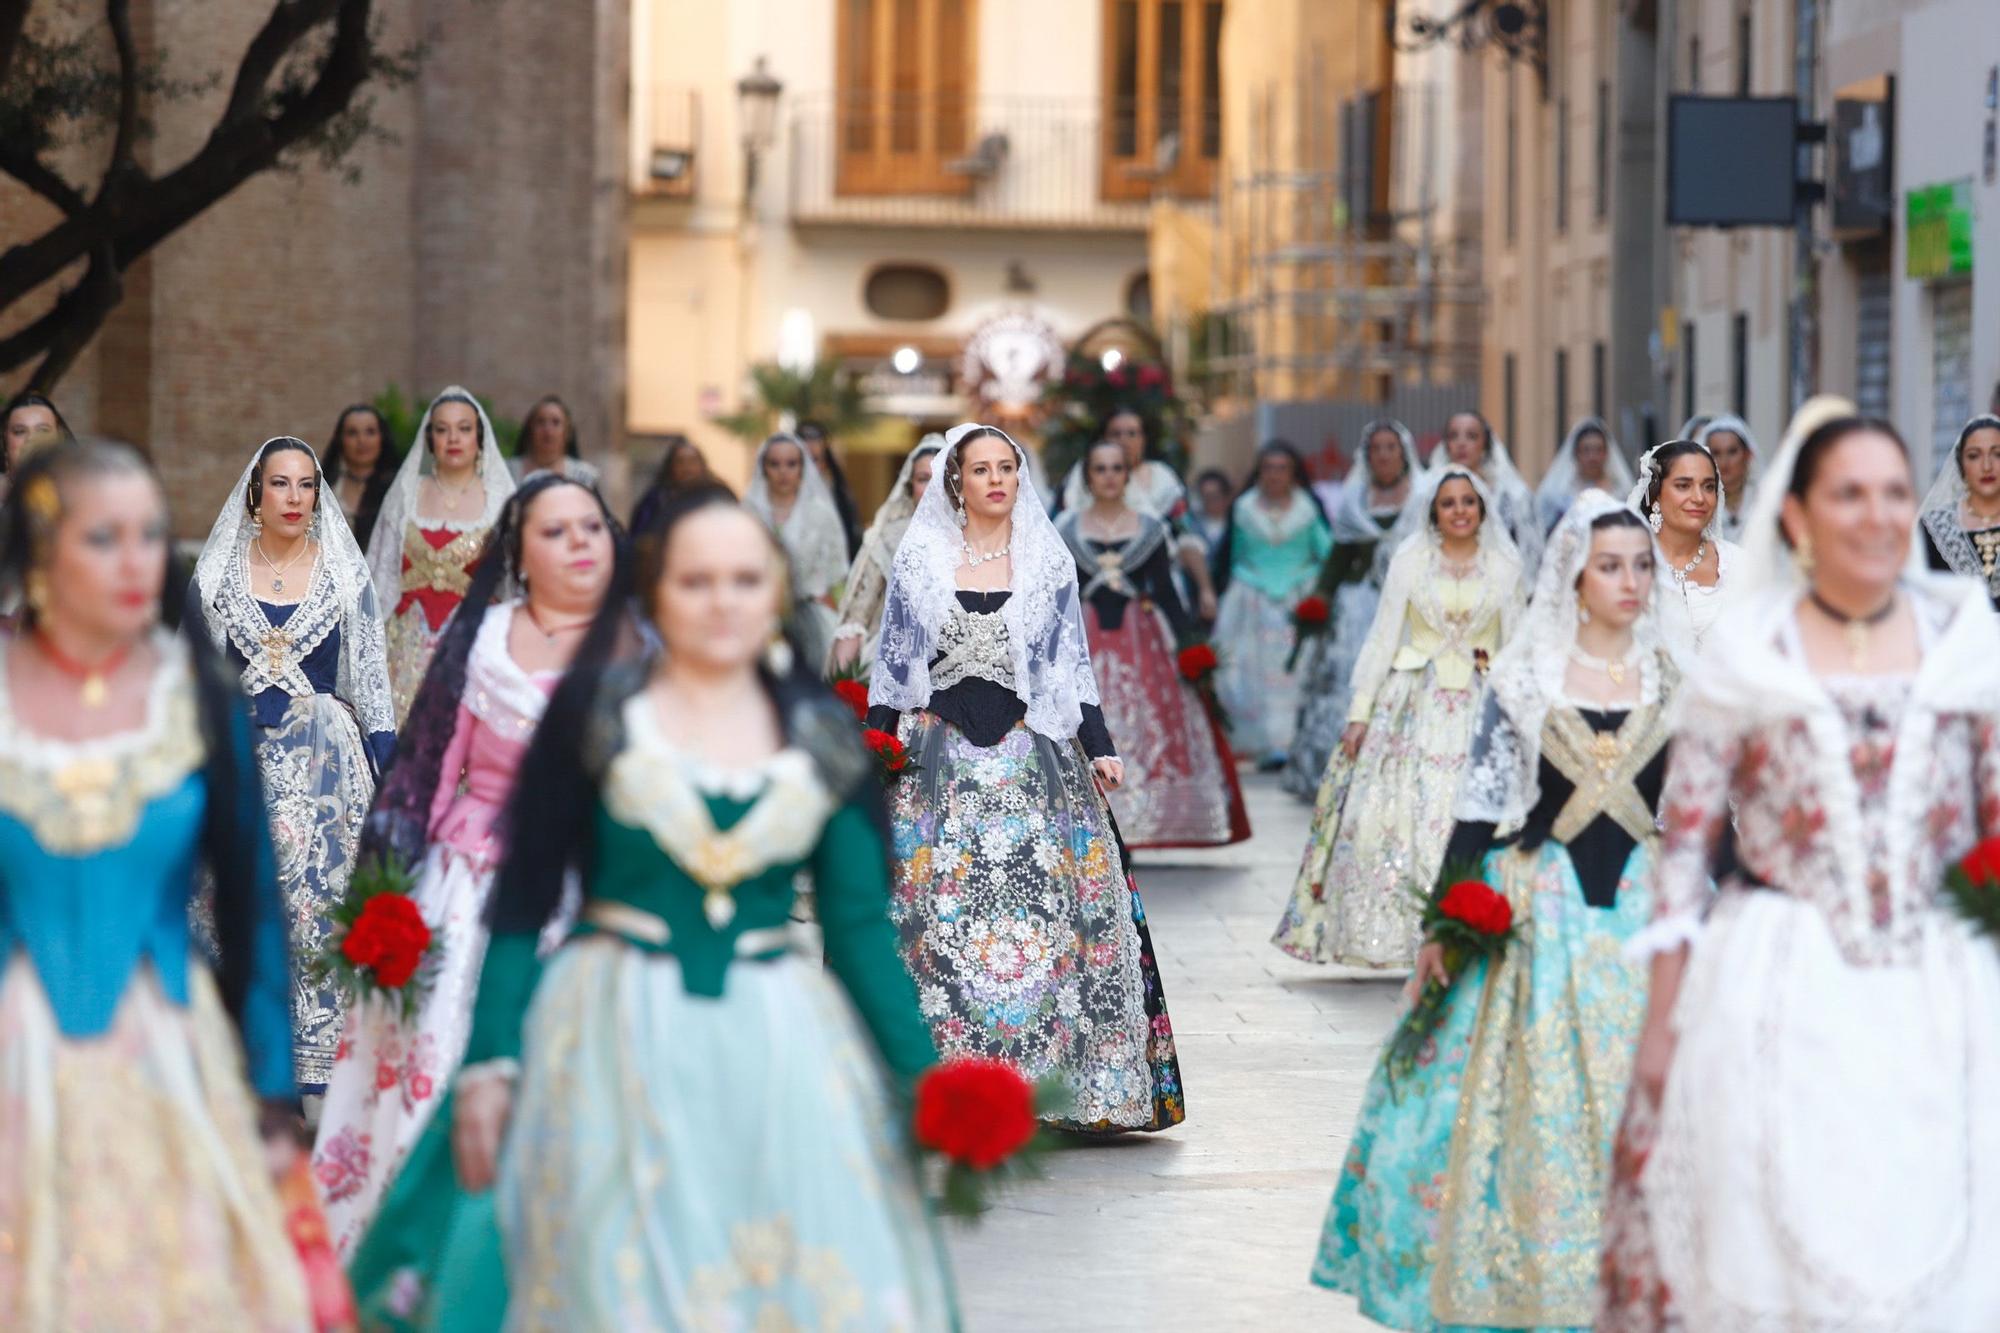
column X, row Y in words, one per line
column 1502, row 781
column 1353, row 520
column 399, row 506
column 1943, row 511
column 1560, row 485
column 892, row 520
column 812, row 534
column 1052, row 672
column 1413, row 525
column 340, row 596
column 1649, row 468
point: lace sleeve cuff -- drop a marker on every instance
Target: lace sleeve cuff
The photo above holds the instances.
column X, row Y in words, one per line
column 1664, row 936
column 504, row 1068
column 849, row 631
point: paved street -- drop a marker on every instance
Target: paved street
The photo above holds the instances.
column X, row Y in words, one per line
column 1210, row 1225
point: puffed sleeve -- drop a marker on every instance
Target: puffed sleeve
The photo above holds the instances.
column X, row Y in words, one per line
column 1694, row 815
column 851, row 882
column 1385, row 634
column 861, row 602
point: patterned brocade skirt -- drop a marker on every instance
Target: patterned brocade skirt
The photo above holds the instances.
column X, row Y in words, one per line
column 1379, row 829
column 1259, row 694
column 1021, row 923
column 134, row 1194
column 1180, row 787
column 1473, row 1191
column 682, row 1161
column 1326, row 671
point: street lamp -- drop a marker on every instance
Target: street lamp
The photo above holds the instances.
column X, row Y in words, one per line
column 757, row 107
column 1518, row 28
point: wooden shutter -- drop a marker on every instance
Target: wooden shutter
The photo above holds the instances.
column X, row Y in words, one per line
column 1162, row 75
column 904, row 97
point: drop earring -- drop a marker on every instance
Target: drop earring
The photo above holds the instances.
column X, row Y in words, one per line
column 778, row 658
column 1802, row 556
column 257, row 521
column 1582, row 614
column 959, row 513
column 1653, row 519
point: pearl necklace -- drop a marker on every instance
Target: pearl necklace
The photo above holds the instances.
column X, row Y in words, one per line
column 974, row 559
column 1681, row 574
column 1615, row 669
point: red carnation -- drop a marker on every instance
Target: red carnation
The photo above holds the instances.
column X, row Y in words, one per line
column 1982, row 864
column 1479, row 907
column 1197, row 660
column 893, row 754
column 976, row 1111
column 1116, row 378
column 1312, row 611
column 854, row 694
column 1151, row 377
column 389, row 937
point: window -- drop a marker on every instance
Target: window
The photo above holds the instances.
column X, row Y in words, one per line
column 1603, row 154
column 1162, row 81
column 906, row 292
column 1739, row 365
column 1562, row 164
column 1687, row 370
column 903, row 105
column 1512, row 184
column 1507, row 395
column 1743, row 54
column 1597, row 381
column 1562, row 389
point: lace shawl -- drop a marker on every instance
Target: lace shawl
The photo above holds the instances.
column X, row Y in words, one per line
column 1943, row 512
column 1113, row 568
column 1052, row 671
column 1730, row 517
column 340, row 596
column 1560, row 483
column 399, row 506
column 1353, row 517
column 811, row 533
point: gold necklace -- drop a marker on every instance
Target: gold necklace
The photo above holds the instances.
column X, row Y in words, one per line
column 1615, row 668
column 277, row 574
column 452, row 497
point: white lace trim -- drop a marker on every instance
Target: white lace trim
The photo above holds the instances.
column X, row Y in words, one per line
column 497, row 690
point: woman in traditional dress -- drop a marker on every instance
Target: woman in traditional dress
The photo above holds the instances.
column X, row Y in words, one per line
column 1734, row 449
column 134, row 1192
column 1472, row 1188
column 551, row 561
column 547, row 443
column 790, row 495
column 434, row 522
column 27, row 423
column 1377, row 487
column 1589, row 458
column 1383, row 814
column 1277, row 540
column 1469, row 442
column 1016, row 907
column 1180, row 787
column 1679, row 493
column 860, row 613
column 827, row 463
column 1819, row 1039
column 1158, row 492
column 1961, row 513
column 703, row 1122
column 359, row 464
column 682, row 467
column 284, row 590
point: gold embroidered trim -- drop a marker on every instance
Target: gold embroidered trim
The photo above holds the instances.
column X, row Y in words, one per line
column 443, row 568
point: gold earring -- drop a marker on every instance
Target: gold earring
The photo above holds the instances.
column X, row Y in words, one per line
column 1802, row 556
column 36, row 591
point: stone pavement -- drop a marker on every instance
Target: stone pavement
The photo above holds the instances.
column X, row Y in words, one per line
column 1210, row 1225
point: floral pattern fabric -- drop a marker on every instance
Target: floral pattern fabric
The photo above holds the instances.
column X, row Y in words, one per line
column 1022, row 927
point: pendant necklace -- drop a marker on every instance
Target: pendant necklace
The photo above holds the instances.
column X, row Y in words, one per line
column 1614, row 668
column 277, row 574
column 974, row 559
column 1681, row 574
column 93, row 690
column 547, row 633
column 1859, row 629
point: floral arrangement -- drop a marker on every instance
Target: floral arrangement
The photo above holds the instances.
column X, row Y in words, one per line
column 983, row 1119
column 1078, row 403
column 1198, row 664
column 1310, row 619
column 1973, row 887
column 1470, row 920
column 380, row 941
column 891, row 755
column 853, row 692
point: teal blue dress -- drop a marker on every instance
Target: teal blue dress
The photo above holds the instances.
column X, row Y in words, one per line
column 1472, row 1192
column 709, row 1126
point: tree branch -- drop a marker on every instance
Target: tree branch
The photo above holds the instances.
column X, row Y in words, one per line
column 291, row 20
column 102, row 288
column 13, row 18
column 43, row 179
column 119, row 14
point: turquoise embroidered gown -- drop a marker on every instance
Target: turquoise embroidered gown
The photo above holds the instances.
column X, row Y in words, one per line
column 1472, row 1193
column 133, row 1188
column 708, row 1127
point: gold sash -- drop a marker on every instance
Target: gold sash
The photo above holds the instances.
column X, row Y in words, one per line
column 441, row 569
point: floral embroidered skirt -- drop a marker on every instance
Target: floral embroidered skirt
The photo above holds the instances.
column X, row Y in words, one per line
column 134, row 1193
column 1827, row 1154
column 1379, row 829
column 391, row 1075
column 410, row 642
column 1473, row 1190
column 1326, row 671
column 680, row 1161
column 1021, row 923
column 318, row 785
column 1180, row 787
column 1253, row 635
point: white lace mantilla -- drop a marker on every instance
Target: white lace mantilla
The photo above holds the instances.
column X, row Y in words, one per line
column 497, row 691
column 81, row 797
column 653, row 786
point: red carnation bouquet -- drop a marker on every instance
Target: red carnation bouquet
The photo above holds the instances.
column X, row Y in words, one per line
column 853, row 691
column 1198, row 664
column 380, row 943
column 983, row 1119
column 891, row 754
column 1310, row 619
column 1471, row 920
column 1973, row 886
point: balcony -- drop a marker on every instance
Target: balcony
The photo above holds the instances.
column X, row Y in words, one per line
column 951, row 161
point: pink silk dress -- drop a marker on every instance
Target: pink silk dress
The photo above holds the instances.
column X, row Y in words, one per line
column 390, row 1074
